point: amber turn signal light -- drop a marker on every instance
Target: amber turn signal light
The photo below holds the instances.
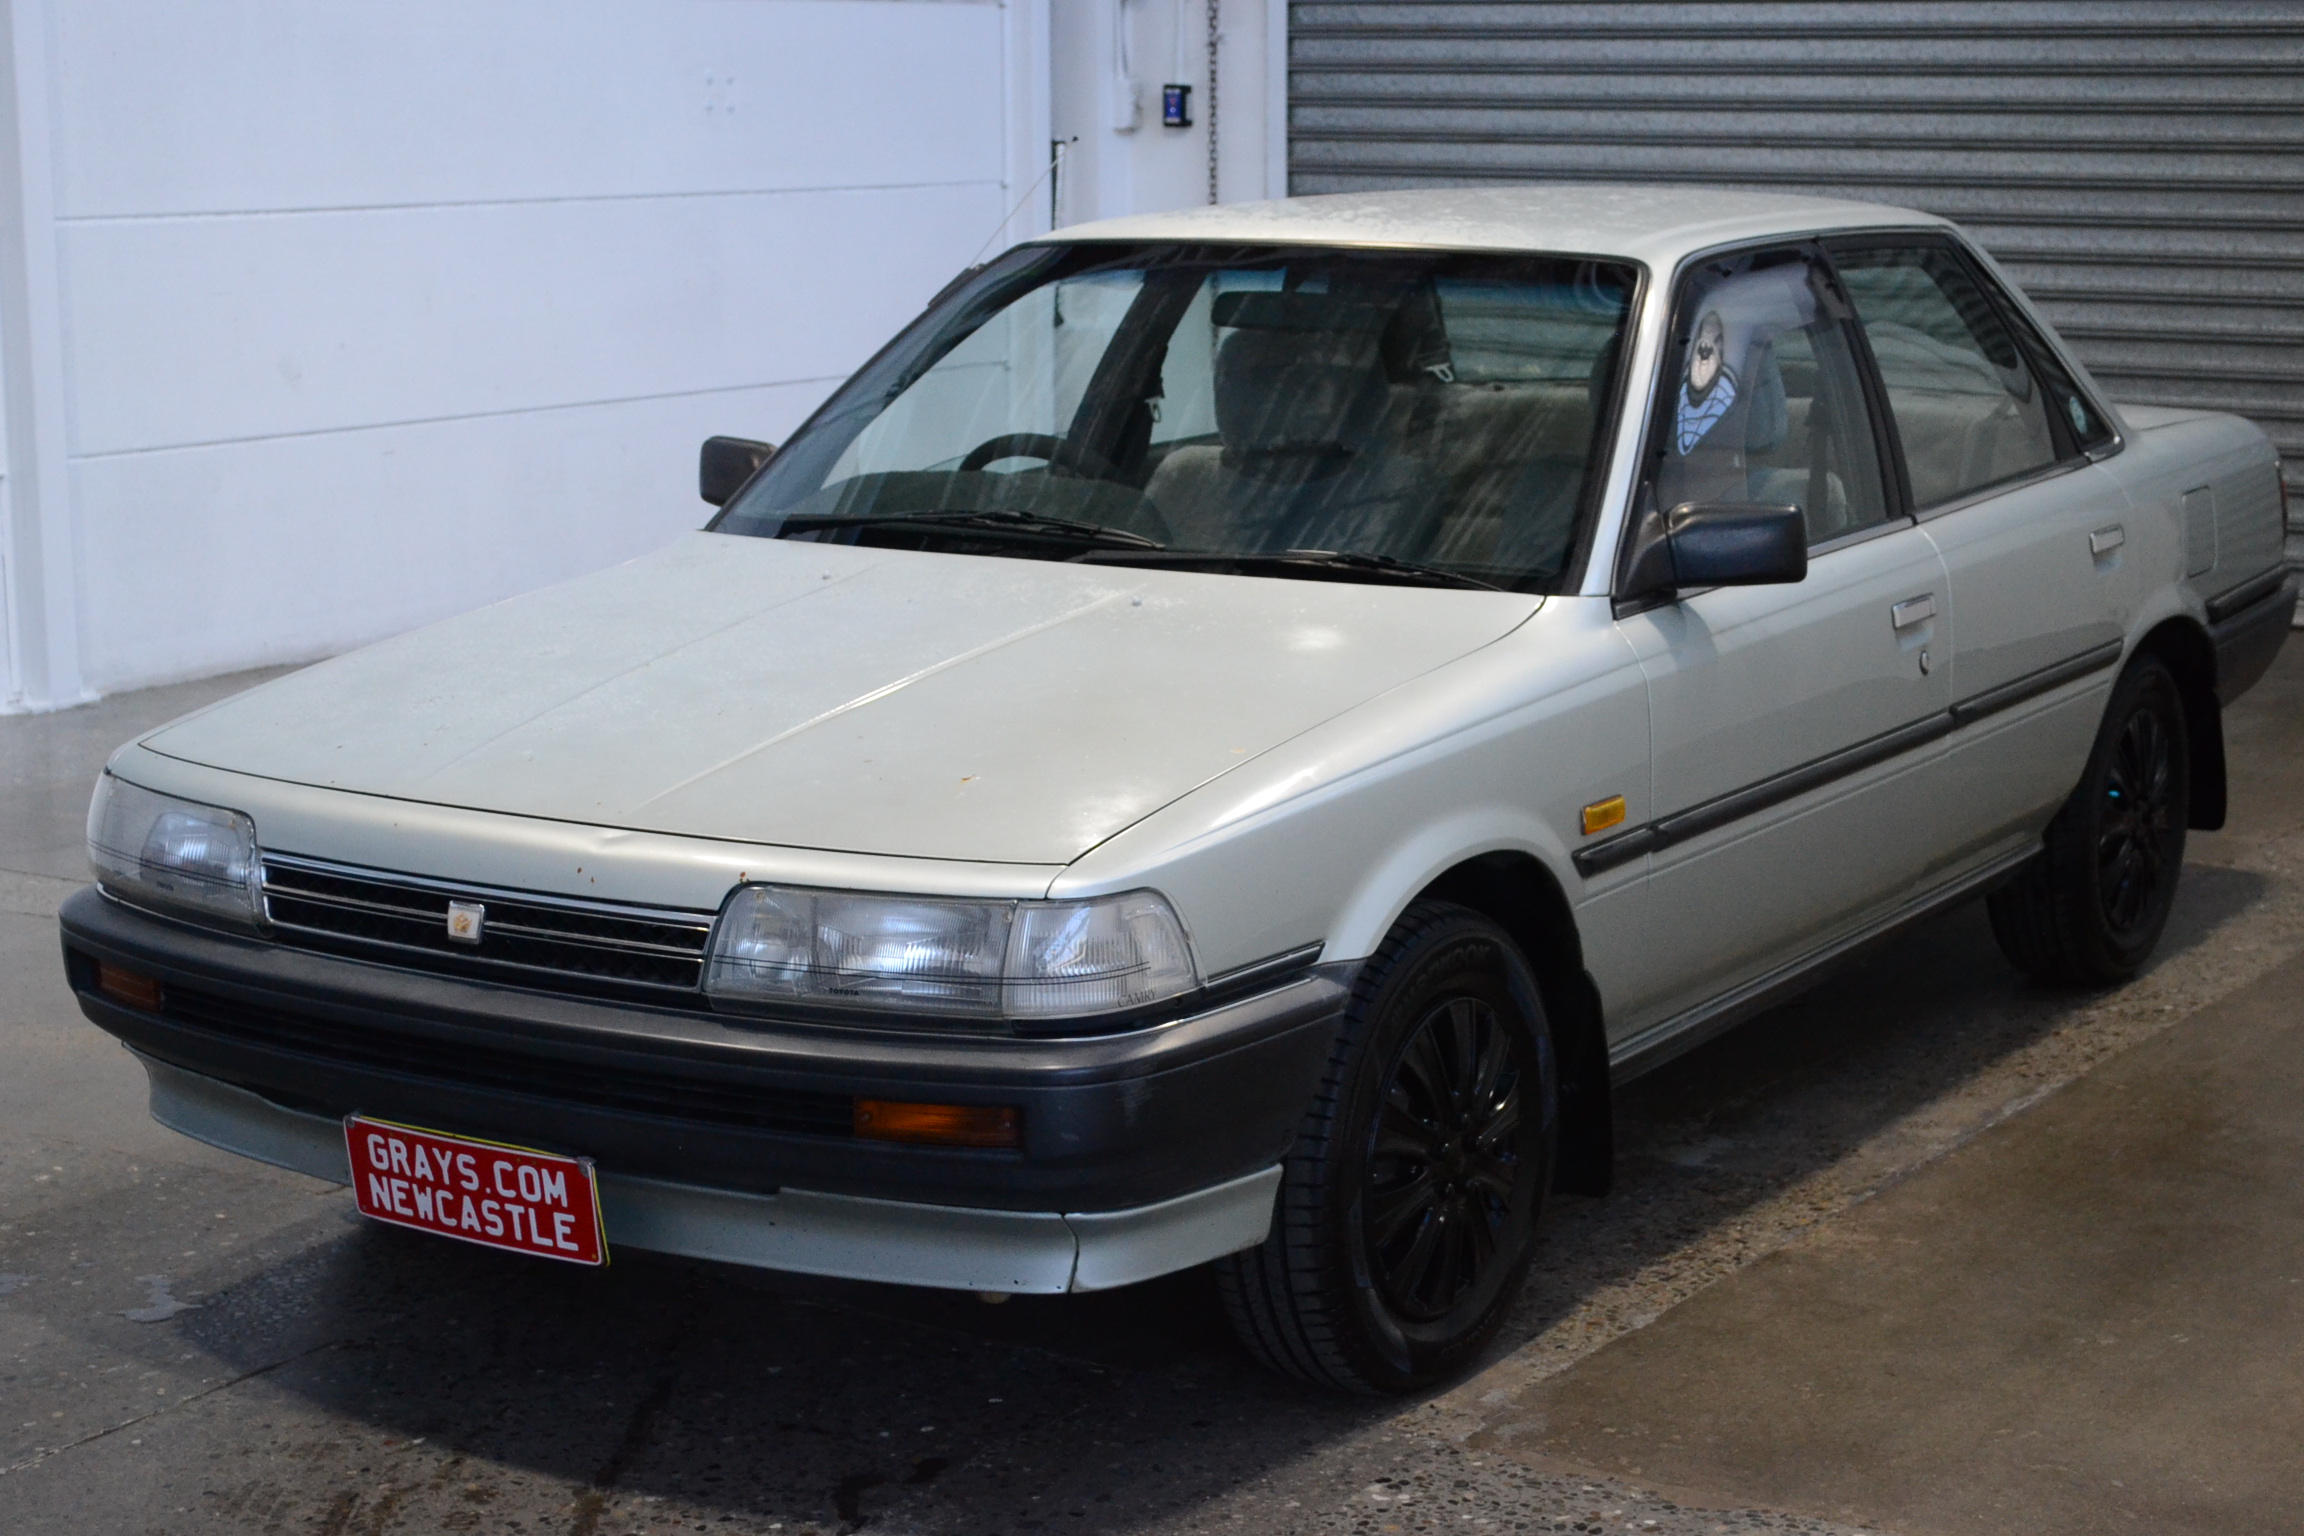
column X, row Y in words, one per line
column 1600, row 815
column 130, row 989
column 948, row 1125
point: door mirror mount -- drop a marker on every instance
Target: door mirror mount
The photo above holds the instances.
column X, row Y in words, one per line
column 725, row 463
column 1716, row 544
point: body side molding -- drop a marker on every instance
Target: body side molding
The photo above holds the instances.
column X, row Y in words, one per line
column 2032, row 684
column 2254, row 590
column 1753, row 798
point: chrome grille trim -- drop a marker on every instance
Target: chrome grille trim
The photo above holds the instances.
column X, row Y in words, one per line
column 528, row 936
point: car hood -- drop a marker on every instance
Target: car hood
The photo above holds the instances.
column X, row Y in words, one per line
column 827, row 696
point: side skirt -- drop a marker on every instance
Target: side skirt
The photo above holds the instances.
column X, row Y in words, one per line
column 1660, row 1043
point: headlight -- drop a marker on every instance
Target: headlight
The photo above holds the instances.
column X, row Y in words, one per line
column 159, row 851
column 930, row 955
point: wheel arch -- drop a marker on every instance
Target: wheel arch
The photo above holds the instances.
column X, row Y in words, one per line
column 1514, row 890
column 2183, row 646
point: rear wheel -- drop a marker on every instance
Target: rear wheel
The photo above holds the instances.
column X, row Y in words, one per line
column 1408, row 1207
column 2090, row 908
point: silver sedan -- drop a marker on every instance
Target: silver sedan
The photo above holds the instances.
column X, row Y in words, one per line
column 1220, row 744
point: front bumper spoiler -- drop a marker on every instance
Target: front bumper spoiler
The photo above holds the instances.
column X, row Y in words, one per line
column 807, row 1232
column 1144, row 1152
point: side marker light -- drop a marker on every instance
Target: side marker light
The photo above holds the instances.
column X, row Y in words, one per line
column 948, row 1125
column 1600, row 815
column 130, row 989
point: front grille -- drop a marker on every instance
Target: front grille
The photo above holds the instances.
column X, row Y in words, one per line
column 548, row 941
column 662, row 1088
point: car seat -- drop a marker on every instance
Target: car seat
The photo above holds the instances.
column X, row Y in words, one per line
column 1303, row 463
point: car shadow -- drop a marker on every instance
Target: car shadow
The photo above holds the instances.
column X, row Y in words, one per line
column 838, row 1405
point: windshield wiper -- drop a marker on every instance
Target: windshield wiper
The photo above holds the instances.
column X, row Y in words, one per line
column 1299, row 560
column 1021, row 522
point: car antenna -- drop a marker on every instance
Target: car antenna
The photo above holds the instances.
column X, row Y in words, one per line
column 1055, row 158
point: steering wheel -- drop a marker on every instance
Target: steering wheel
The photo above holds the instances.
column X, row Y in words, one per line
column 1060, row 453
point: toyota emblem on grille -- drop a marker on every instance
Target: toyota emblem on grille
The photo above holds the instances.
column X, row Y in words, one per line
column 464, row 920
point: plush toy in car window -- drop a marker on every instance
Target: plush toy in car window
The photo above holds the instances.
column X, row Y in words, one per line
column 1710, row 386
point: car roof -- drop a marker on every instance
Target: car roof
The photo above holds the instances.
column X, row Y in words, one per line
column 1656, row 224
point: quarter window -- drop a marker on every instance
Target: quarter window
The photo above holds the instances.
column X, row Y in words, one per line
column 1763, row 401
column 1968, row 408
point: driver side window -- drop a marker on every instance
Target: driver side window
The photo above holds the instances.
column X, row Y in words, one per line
column 1765, row 403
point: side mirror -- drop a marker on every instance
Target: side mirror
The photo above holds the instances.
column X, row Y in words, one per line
column 726, row 463
column 1717, row 544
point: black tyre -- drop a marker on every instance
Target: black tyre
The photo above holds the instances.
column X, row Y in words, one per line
column 1408, row 1206
column 2089, row 909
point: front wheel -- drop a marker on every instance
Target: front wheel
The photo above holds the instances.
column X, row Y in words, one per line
column 1408, row 1206
column 2089, row 909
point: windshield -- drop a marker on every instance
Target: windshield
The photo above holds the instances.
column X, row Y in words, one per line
column 1427, row 417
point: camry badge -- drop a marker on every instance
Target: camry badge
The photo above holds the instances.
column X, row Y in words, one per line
column 464, row 919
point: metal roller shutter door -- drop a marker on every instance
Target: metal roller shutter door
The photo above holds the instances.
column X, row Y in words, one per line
column 2138, row 166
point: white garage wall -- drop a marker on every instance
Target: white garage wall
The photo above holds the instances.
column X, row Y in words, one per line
column 367, row 313
column 1121, row 162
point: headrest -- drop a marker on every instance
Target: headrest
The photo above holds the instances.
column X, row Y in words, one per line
column 1769, row 416
column 1298, row 391
column 1267, row 311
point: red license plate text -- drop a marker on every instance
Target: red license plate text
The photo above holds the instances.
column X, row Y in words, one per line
column 503, row 1197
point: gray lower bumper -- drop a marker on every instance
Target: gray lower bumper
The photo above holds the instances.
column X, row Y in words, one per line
column 798, row 1230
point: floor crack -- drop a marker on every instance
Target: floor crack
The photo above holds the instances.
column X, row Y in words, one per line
column 51, row 1452
column 640, row 1427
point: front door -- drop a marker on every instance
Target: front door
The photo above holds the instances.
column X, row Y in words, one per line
column 1787, row 721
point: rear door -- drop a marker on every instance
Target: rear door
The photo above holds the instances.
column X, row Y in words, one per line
column 1787, row 720
column 1995, row 441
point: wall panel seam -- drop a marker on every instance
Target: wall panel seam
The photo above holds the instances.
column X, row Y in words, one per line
column 319, row 210
column 448, row 420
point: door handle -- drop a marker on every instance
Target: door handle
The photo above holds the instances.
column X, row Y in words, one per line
column 1913, row 610
column 2105, row 540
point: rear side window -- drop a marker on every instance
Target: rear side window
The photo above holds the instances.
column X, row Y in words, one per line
column 1968, row 407
column 2074, row 413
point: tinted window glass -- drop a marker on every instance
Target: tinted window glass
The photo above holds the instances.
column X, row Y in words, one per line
column 2089, row 430
column 2087, row 427
column 1765, row 402
column 1968, row 409
column 1227, row 405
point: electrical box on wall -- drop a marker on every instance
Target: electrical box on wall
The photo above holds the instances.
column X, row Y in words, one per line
column 1175, row 106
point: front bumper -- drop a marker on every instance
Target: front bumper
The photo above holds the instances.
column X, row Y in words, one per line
column 802, row 1230
column 731, row 1137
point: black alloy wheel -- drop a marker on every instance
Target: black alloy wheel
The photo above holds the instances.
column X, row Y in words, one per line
column 2088, row 910
column 1408, row 1206
column 1443, row 1161
column 2134, row 822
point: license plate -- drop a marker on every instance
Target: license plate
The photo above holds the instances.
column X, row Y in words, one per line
column 481, row 1191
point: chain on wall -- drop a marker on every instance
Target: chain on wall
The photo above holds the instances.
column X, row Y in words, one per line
column 1215, row 17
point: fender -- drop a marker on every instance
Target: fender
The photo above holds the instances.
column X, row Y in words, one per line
column 1327, row 837
column 1412, row 864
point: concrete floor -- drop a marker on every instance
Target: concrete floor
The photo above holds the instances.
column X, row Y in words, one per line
column 1927, row 1250
column 2090, row 1319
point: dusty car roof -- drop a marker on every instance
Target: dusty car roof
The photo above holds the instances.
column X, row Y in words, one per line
column 1655, row 224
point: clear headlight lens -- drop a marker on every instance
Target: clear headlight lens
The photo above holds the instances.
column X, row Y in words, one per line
column 930, row 955
column 157, row 850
